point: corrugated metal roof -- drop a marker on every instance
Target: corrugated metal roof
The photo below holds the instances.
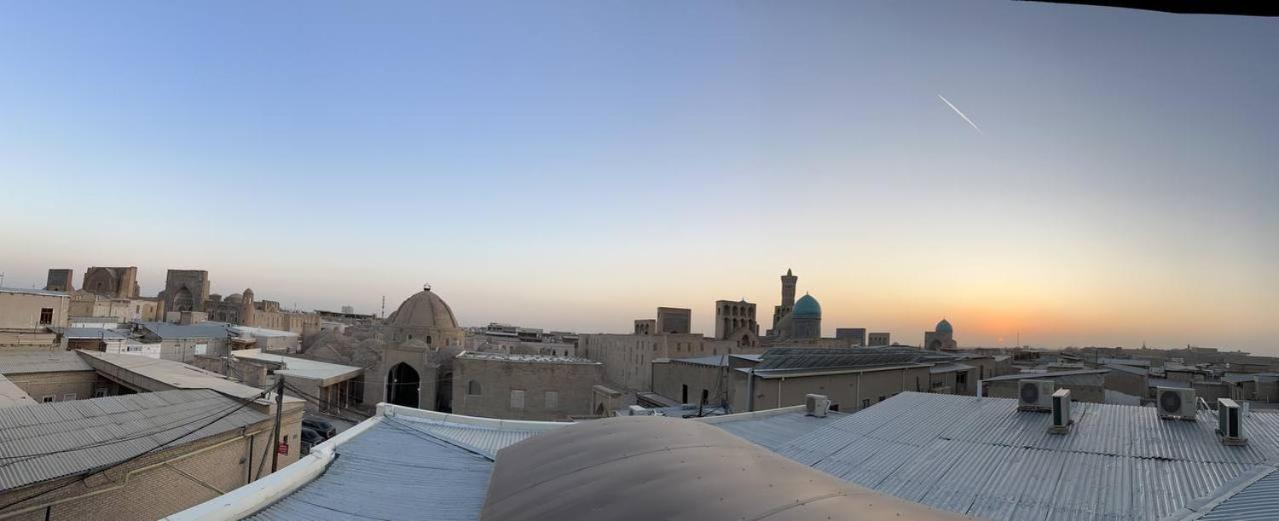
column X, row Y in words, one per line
column 405, row 468
column 166, row 330
column 512, row 357
column 1130, row 369
column 1164, row 382
column 717, row 361
column 1048, row 375
column 482, row 439
column 1259, row 501
column 42, row 362
column 33, row 291
column 301, row 367
column 981, row 457
column 391, row 472
column 91, row 332
column 773, row 431
column 170, row 374
column 948, row 368
column 50, row 440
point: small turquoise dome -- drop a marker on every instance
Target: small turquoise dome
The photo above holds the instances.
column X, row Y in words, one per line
column 807, row 307
column 944, row 327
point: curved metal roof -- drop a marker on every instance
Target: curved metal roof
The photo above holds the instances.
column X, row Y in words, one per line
column 646, row 468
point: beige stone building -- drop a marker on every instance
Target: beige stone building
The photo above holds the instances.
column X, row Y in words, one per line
column 524, row 387
column 408, row 361
column 55, row 376
column 85, row 304
column 243, row 309
column 735, row 319
column 112, row 282
column 850, row 389
column 60, row 279
column 87, row 476
column 678, row 321
column 628, row 359
column 184, row 290
column 1087, row 385
column 31, row 310
column 125, row 437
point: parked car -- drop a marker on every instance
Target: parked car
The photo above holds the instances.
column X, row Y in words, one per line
column 310, row 438
column 325, row 429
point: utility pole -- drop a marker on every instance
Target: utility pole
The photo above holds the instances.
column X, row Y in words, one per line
column 279, row 409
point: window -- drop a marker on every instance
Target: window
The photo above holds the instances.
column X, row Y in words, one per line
column 473, row 388
column 48, row 399
column 705, row 396
column 46, row 315
column 552, row 400
column 866, row 403
column 68, row 397
column 517, row 399
column 99, row 392
column 684, row 395
column 882, row 398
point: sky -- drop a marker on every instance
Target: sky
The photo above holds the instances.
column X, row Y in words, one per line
column 574, row 165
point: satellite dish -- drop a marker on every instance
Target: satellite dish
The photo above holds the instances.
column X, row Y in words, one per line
column 426, row 287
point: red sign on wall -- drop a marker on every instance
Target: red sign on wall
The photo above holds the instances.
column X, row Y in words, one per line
column 283, row 448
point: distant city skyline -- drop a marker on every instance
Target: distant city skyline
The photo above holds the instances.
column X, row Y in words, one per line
column 1112, row 179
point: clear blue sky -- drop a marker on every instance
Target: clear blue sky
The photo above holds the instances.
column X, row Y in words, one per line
column 577, row 164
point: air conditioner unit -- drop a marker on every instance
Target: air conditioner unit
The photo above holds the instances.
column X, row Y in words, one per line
column 1230, row 417
column 1175, row 403
column 636, row 410
column 816, row 405
column 1035, row 395
column 1061, row 412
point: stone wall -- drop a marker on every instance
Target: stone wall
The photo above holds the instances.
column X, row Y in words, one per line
column 851, row 392
column 524, row 390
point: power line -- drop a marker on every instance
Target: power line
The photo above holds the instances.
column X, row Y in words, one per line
column 165, row 427
column 245, row 403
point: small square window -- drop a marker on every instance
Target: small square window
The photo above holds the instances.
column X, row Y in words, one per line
column 48, row 399
column 68, row 397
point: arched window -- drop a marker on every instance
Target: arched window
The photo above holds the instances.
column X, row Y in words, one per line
column 473, row 388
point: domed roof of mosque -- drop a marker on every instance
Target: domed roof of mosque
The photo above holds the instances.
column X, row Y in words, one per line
column 807, row 307
column 424, row 309
column 944, row 327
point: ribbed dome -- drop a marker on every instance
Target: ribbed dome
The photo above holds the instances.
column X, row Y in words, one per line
column 807, row 307
column 424, row 309
column 944, row 327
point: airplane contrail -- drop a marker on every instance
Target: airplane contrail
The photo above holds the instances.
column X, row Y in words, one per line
column 961, row 114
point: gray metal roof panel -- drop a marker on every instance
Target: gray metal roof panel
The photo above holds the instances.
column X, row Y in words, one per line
column 1256, row 502
column 391, row 472
column 1054, row 375
column 772, row 432
column 42, row 362
column 47, row 441
column 981, row 457
column 200, row 330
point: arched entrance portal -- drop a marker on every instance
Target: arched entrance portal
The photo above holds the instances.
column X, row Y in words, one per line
column 402, row 385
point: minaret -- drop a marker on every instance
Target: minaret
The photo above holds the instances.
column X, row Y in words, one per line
column 788, row 289
column 246, row 309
